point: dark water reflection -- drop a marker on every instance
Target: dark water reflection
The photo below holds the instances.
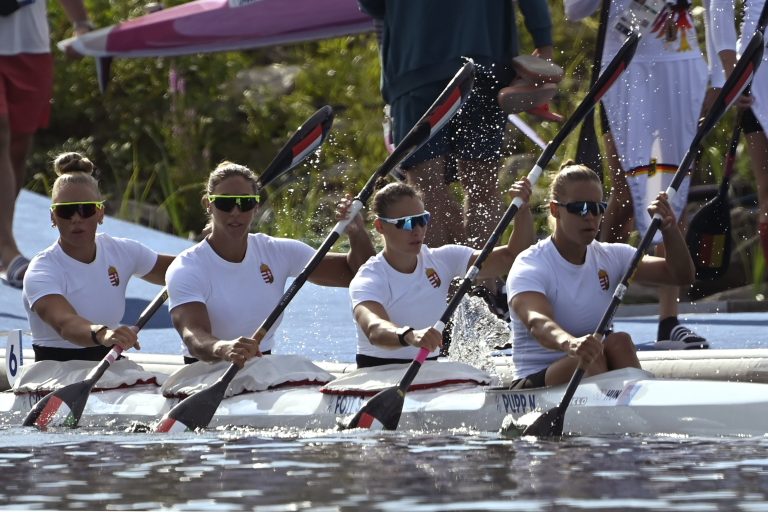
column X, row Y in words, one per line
column 276, row 471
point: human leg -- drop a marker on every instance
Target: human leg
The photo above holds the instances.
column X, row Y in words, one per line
column 482, row 200
column 26, row 87
column 446, row 225
column 757, row 147
column 618, row 220
column 620, row 351
column 8, row 248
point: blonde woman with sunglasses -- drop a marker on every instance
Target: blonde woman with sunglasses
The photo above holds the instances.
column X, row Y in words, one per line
column 399, row 295
column 74, row 291
column 222, row 289
column 559, row 288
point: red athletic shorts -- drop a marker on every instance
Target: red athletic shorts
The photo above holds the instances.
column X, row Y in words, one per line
column 26, row 88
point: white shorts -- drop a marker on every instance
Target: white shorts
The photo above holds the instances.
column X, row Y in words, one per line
column 653, row 113
column 759, row 88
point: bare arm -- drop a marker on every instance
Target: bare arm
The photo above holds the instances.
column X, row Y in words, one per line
column 56, row 311
column 157, row 274
column 501, row 258
column 77, row 14
column 676, row 268
column 192, row 322
column 535, row 311
column 338, row 269
column 380, row 331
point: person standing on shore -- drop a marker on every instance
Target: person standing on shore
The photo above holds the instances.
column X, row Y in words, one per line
column 26, row 89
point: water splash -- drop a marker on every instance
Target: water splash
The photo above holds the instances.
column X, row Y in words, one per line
column 476, row 334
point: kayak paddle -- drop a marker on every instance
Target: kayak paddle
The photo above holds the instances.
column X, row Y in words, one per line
column 196, row 411
column 383, row 410
column 551, row 422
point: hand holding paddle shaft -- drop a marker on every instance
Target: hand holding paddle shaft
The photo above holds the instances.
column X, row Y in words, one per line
column 551, row 422
column 71, row 399
column 384, row 409
column 196, row 411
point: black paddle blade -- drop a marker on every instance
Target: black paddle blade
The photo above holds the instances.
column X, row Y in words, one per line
column 61, row 407
column 303, row 143
column 195, row 411
column 709, row 239
column 381, row 412
column 549, row 424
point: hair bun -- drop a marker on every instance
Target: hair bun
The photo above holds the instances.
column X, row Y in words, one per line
column 567, row 163
column 72, row 162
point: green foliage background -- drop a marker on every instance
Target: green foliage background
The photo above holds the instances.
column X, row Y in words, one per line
column 157, row 146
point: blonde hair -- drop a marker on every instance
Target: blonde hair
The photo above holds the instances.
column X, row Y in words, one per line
column 74, row 169
column 570, row 172
column 228, row 169
column 390, row 194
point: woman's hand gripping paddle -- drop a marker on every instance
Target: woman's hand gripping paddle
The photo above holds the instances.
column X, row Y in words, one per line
column 68, row 403
column 196, row 411
column 551, row 422
column 383, row 410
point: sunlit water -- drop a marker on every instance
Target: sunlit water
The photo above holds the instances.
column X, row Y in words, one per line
column 282, row 470
column 242, row 470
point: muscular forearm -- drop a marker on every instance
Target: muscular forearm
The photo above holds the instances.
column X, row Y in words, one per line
column 383, row 333
column 77, row 330
column 201, row 344
column 548, row 333
column 360, row 249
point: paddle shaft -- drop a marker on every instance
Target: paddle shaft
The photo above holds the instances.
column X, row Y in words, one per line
column 601, row 85
column 733, row 87
column 587, row 149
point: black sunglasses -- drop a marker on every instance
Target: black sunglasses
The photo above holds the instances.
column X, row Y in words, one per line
column 83, row 208
column 228, row 203
column 408, row 222
column 584, row 207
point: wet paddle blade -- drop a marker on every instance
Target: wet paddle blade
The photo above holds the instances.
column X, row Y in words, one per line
column 381, row 412
column 195, row 411
column 61, row 407
column 307, row 139
column 549, row 424
column 709, row 239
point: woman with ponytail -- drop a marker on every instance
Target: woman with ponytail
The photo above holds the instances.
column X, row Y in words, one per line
column 74, row 291
column 560, row 287
column 399, row 294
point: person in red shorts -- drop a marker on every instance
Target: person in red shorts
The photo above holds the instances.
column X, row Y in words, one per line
column 26, row 87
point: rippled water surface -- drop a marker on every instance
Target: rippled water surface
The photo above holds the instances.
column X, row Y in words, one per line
column 242, row 470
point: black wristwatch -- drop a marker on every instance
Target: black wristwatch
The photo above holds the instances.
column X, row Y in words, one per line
column 95, row 330
column 401, row 334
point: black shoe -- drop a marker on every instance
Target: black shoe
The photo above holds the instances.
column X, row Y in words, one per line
column 682, row 338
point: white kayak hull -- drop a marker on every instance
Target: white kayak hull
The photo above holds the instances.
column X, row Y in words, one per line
column 626, row 401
